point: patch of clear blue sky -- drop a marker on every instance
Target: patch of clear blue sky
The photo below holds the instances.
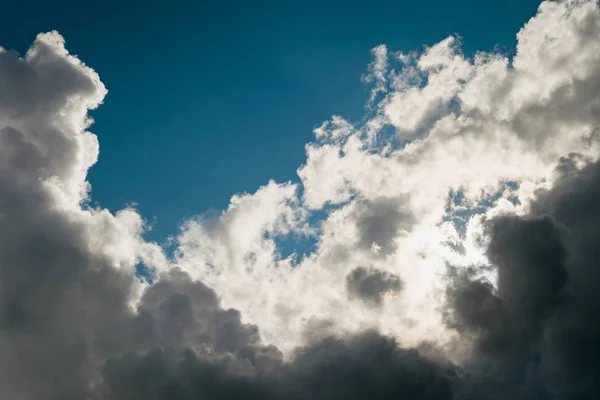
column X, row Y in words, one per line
column 460, row 216
column 211, row 98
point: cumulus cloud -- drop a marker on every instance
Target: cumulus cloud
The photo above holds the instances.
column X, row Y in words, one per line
column 488, row 127
column 456, row 258
column 66, row 284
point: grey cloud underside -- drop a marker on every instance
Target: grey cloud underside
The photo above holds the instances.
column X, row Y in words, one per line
column 63, row 309
column 367, row 365
column 370, row 285
column 541, row 321
column 380, row 221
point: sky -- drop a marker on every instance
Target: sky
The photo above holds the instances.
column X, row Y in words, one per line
column 240, row 85
column 345, row 202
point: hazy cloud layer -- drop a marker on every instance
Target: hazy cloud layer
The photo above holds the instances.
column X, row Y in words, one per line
column 455, row 259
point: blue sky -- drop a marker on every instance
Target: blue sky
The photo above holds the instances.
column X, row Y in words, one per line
column 216, row 98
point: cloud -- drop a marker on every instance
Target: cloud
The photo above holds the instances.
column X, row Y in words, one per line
column 529, row 257
column 371, row 285
column 540, row 315
column 489, row 127
column 65, row 270
column 380, row 221
column 377, row 73
column 469, row 192
column 354, row 368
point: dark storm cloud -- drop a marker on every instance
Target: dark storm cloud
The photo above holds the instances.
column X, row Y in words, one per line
column 369, row 284
column 529, row 256
column 363, row 366
column 162, row 375
column 542, row 317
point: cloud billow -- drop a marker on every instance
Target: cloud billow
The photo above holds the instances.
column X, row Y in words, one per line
column 541, row 315
column 395, row 300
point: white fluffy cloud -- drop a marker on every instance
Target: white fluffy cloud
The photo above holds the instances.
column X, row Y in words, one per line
column 467, row 124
